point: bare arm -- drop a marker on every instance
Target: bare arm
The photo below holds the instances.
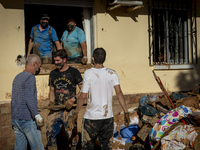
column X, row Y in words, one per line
column 51, row 94
column 81, row 100
column 58, row 45
column 79, row 93
column 30, row 46
column 61, row 44
column 84, row 48
column 120, row 97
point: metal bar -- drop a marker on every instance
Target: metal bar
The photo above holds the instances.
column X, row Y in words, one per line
column 187, row 50
column 195, row 30
column 174, row 48
column 163, row 88
column 159, row 41
column 153, row 34
column 149, row 32
column 191, row 32
column 183, row 37
column 164, row 45
column 167, row 28
column 179, row 36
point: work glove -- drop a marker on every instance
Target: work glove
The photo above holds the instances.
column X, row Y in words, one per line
column 51, row 105
column 70, row 103
column 126, row 119
column 39, row 120
column 84, row 60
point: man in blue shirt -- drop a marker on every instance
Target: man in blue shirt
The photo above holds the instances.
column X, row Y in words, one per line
column 74, row 42
column 41, row 40
column 24, row 111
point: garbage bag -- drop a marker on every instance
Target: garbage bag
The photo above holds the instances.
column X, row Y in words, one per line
column 145, row 109
column 176, row 96
column 127, row 133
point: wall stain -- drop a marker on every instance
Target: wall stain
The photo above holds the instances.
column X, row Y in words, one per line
column 123, row 74
column 8, row 95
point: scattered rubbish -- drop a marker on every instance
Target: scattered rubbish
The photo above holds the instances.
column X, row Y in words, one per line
column 163, row 88
column 153, row 98
column 144, row 100
column 148, row 110
column 163, row 122
column 176, row 96
column 144, row 132
column 188, row 101
column 123, row 135
column 168, row 120
column 183, row 136
column 161, row 109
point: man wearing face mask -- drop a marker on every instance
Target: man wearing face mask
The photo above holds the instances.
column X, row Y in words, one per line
column 74, row 42
column 24, row 113
column 41, row 40
column 62, row 82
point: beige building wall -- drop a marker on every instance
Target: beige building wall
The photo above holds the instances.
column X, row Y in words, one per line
column 11, row 43
column 123, row 35
column 125, row 38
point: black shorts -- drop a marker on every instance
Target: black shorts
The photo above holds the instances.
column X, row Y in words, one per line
column 103, row 129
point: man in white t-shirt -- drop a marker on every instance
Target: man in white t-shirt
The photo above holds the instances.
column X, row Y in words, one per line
column 98, row 119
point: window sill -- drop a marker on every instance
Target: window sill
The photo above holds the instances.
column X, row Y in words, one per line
column 45, row 69
column 174, row 67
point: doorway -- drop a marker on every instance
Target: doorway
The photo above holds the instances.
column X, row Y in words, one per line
column 58, row 20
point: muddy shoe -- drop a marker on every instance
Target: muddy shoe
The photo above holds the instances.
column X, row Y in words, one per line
column 53, row 147
column 73, row 148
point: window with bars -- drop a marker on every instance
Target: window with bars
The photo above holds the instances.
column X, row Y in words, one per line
column 172, row 32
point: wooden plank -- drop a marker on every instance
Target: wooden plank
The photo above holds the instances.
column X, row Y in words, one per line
column 45, row 69
column 143, row 133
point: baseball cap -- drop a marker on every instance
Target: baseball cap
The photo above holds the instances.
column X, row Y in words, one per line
column 45, row 16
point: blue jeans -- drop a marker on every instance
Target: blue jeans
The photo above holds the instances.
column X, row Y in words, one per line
column 26, row 131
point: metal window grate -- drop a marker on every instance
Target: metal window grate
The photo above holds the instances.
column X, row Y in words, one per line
column 172, row 32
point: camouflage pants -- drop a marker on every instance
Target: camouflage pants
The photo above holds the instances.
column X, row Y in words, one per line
column 103, row 129
column 55, row 121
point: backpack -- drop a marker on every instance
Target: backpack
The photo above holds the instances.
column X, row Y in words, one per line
column 49, row 33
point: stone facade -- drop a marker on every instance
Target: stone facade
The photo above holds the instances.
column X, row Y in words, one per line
column 7, row 136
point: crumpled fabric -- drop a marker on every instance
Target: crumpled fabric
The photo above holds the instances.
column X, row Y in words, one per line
column 167, row 121
column 145, row 109
column 176, row 96
column 144, row 100
column 179, row 138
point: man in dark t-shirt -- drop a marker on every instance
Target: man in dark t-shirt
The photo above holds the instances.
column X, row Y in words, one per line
column 62, row 82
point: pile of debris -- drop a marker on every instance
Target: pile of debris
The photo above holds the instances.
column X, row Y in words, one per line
column 165, row 122
column 156, row 125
